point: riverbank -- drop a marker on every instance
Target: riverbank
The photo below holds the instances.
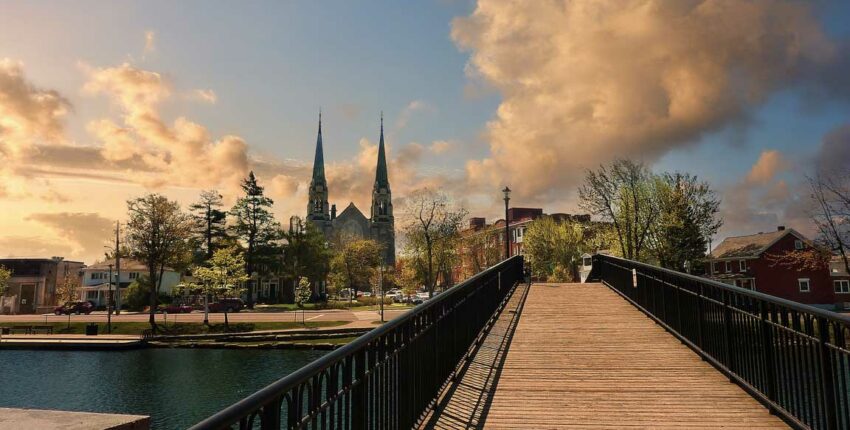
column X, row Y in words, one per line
column 137, row 328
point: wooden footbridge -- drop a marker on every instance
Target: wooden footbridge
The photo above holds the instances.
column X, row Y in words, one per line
column 643, row 347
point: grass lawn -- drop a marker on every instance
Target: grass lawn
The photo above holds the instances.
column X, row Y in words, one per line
column 136, row 328
column 355, row 306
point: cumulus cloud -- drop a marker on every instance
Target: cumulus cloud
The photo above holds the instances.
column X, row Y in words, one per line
column 181, row 153
column 412, row 108
column 769, row 164
column 28, row 115
column 583, row 82
column 206, row 96
column 440, row 146
column 84, row 233
column 150, row 42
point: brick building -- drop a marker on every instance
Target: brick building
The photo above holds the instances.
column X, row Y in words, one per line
column 32, row 288
column 745, row 261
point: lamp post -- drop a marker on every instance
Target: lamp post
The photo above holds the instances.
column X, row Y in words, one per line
column 507, row 193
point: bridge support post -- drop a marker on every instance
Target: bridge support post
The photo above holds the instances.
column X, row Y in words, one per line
column 768, row 345
column 827, row 374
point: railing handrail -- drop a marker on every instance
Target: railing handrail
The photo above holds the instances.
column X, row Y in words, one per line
column 754, row 294
column 236, row 411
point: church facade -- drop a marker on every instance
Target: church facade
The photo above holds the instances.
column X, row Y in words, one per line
column 351, row 222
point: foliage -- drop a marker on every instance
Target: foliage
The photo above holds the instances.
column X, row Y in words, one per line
column 224, row 273
column 480, row 249
column 303, row 292
column 354, row 265
column 256, row 227
column 408, row 277
column 809, row 259
column 431, row 230
column 137, row 295
column 305, row 254
column 208, row 224
column 157, row 235
column 553, row 248
column 687, row 218
column 67, row 290
column 5, row 275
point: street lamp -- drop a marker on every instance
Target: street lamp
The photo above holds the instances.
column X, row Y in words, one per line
column 109, row 304
column 507, row 193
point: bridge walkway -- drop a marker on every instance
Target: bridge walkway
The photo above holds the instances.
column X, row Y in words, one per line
column 581, row 356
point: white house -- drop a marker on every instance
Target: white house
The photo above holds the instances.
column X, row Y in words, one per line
column 95, row 286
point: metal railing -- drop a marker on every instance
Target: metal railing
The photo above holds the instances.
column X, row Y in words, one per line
column 791, row 357
column 387, row 378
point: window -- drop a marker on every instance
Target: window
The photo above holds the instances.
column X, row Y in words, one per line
column 91, row 295
column 714, row 268
column 842, row 286
column 742, row 265
column 804, row 284
column 798, row 244
column 749, row 284
column 134, row 275
column 728, row 267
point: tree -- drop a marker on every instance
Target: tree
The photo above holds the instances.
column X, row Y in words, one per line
column 431, row 224
column 688, row 217
column 305, row 254
column 831, row 213
column 480, row 249
column 553, row 248
column 157, row 235
column 256, row 227
column 67, row 291
column 354, row 265
column 223, row 274
column 209, row 222
column 5, row 275
column 623, row 193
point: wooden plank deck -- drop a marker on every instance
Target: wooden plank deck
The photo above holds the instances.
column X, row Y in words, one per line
column 583, row 357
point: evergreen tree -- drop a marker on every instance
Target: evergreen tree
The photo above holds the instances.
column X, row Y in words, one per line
column 208, row 221
column 306, row 253
column 259, row 231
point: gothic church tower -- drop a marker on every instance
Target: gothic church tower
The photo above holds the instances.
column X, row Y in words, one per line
column 382, row 223
column 317, row 204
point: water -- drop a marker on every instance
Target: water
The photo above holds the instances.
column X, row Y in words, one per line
column 176, row 387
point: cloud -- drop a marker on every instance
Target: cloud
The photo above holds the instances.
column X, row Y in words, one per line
column 440, row 146
column 583, row 82
column 769, row 164
column 409, row 110
column 32, row 246
column 150, row 42
column 207, row 96
column 834, row 152
column 85, row 233
column 28, row 115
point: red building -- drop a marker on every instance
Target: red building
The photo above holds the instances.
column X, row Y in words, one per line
column 745, row 261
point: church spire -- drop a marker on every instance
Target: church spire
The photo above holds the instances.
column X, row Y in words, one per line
column 381, row 178
column 319, row 160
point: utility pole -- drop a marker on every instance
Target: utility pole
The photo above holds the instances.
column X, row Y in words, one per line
column 109, row 304
column 117, row 269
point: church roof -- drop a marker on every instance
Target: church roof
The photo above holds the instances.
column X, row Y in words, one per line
column 319, row 160
column 351, row 211
column 381, row 177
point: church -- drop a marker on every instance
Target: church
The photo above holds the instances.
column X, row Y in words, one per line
column 351, row 223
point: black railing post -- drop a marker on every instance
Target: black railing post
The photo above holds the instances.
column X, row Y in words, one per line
column 827, row 374
column 359, row 392
column 700, row 317
column 727, row 332
column 768, row 345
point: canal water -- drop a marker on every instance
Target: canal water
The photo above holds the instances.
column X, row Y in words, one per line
column 176, row 387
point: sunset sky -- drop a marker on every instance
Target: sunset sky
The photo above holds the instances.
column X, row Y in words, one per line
column 105, row 101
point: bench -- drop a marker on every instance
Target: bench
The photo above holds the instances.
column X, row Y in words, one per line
column 46, row 329
column 24, row 329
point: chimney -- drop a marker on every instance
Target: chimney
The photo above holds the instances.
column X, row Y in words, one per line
column 780, row 228
column 476, row 223
column 333, row 211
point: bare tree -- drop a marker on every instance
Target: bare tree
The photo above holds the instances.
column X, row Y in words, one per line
column 831, row 213
column 431, row 222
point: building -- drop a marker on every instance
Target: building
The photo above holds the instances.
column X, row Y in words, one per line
column 380, row 226
column 95, row 286
column 749, row 262
column 32, row 288
column 840, row 282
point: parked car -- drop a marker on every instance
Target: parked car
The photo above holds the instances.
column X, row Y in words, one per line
column 227, row 305
column 74, row 308
column 175, row 309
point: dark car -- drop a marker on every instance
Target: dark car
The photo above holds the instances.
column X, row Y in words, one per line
column 175, row 309
column 74, row 308
column 227, row 305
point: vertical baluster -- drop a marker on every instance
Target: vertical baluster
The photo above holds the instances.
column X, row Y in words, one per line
column 827, row 374
column 768, row 353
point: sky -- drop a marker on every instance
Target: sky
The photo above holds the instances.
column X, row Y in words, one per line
column 104, row 102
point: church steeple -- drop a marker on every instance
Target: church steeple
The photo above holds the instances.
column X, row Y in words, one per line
column 382, row 222
column 317, row 206
column 381, row 178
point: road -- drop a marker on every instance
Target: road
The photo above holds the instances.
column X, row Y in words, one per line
column 196, row 316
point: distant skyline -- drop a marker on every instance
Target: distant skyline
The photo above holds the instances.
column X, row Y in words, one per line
column 103, row 102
